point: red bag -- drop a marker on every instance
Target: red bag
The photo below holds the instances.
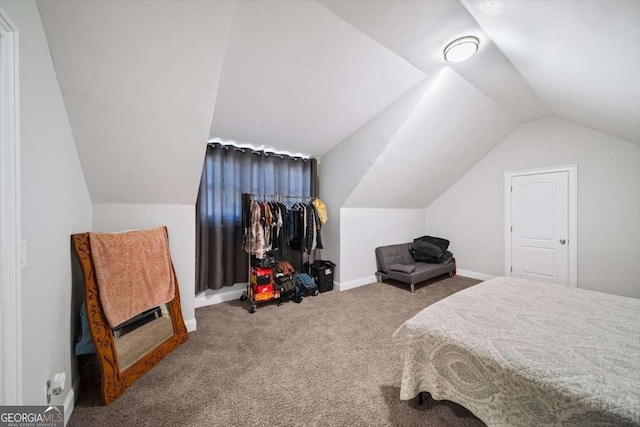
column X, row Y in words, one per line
column 285, row 268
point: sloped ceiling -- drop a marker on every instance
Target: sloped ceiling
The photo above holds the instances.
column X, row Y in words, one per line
column 581, row 57
column 298, row 77
column 418, row 32
column 342, row 168
column 139, row 80
column 450, row 130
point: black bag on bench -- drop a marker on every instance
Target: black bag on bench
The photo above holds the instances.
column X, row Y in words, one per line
column 432, row 250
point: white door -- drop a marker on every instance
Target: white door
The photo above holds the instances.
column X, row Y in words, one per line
column 540, row 227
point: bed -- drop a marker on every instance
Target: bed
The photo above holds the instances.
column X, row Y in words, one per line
column 519, row 352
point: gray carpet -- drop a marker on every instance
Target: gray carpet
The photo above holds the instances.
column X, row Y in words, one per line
column 328, row 361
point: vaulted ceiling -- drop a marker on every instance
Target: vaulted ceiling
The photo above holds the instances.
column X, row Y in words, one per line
column 418, row 32
column 582, row 58
column 451, row 128
column 147, row 83
column 297, row 77
column 139, row 80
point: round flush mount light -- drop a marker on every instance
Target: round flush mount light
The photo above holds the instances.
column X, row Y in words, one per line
column 461, row 49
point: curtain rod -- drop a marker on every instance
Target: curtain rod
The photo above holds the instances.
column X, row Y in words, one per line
column 260, row 152
column 281, row 196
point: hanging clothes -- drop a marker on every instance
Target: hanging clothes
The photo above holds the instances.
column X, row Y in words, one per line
column 319, row 227
column 282, row 227
column 296, row 216
column 270, row 226
column 321, row 209
column 255, row 242
column 266, row 220
column 309, row 226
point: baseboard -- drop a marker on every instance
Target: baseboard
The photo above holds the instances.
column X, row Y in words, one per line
column 234, row 293
column 473, row 274
column 354, row 283
column 191, row 325
column 70, row 400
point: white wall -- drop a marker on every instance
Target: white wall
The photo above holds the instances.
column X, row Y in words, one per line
column 471, row 212
column 211, row 296
column 450, row 130
column 139, row 79
column 55, row 204
column 363, row 230
column 180, row 221
column 418, row 139
column 342, row 168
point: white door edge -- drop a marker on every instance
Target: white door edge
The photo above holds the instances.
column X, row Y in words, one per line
column 573, row 216
column 10, row 228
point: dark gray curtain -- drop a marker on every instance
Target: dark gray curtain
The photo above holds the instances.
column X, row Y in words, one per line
column 227, row 173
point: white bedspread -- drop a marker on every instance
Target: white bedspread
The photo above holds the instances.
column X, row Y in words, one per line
column 519, row 352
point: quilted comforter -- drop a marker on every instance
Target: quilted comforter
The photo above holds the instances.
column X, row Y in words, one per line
column 519, row 352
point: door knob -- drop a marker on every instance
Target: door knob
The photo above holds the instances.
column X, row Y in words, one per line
column 562, row 241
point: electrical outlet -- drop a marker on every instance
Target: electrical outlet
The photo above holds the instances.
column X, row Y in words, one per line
column 59, row 383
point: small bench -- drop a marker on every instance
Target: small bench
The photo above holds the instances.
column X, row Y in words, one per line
column 415, row 272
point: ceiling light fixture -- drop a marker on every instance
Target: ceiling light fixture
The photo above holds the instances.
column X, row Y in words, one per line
column 461, row 49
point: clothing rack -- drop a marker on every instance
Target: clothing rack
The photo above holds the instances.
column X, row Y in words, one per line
column 248, row 197
column 285, row 200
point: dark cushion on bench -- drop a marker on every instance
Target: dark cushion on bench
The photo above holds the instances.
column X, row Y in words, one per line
column 403, row 268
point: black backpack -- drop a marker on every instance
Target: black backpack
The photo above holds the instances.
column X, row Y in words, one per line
column 432, row 250
column 288, row 289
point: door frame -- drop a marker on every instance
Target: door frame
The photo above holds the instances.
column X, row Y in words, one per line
column 10, row 227
column 572, row 239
